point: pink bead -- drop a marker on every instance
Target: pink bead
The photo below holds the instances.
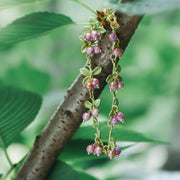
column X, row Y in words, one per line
column 94, row 35
column 90, row 149
column 112, row 37
column 90, row 50
column 117, row 151
column 88, row 86
column 111, row 154
column 95, row 112
column 120, row 117
column 120, row 85
column 97, row 49
column 116, row 52
column 86, row 116
column 114, row 121
column 98, row 150
column 113, row 85
column 87, row 36
column 95, row 82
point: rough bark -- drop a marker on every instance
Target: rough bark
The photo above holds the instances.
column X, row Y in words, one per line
column 68, row 116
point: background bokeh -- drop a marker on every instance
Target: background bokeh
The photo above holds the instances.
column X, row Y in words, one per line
column 151, row 99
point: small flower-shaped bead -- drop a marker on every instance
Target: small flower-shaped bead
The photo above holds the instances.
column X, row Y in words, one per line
column 112, row 37
column 95, row 112
column 111, row 154
column 98, row 150
column 88, row 85
column 95, row 82
column 87, row 36
column 90, row 149
column 90, row 50
column 117, row 151
column 97, row 49
column 95, row 35
column 86, row 116
column 114, row 121
column 120, row 85
column 113, row 85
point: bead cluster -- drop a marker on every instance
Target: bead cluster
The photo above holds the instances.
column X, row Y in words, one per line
column 90, row 38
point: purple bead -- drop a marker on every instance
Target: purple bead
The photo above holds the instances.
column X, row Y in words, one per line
column 113, row 85
column 88, row 86
column 95, row 82
column 112, row 37
column 90, row 50
column 114, row 121
column 120, row 117
column 111, row 154
column 87, row 36
column 95, row 112
column 90, row 149
column 98, row 150
column 120, row 85
column 117, row 151
column 97, row 49
column 86, row 116
column 116, row 52
column 94, row 35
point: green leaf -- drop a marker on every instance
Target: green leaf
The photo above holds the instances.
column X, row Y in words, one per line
column 119, row 133
column 83, row 48
column 62, row 171
column 96, row 71
column 4, row 4
column 31, row 26
column 1, row 175
column 118, row 68
column 145, row 6
column 109, row 78
column 18, row 109
column 85, row 71
column 87, row 104
column 85, row 80
column 28, row 77
column 84, row 176
column 86, row 28
column 97, row 102
column 100, row 30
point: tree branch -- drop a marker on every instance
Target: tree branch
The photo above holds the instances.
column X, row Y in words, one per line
column 68, row 116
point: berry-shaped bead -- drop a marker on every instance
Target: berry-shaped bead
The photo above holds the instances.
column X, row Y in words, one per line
column 111, row 154
column 95, row 35
column 117, row 151
column 95, row 112
column 90, row 50
column 97, row 49
column 88, row 85
column 90, row 149
column 113, row 85
column 120, row 85
column 114, row 121
column 116, row 52
column 98, row 150
column 95, row 82
column 112, row 37
column 120, row 117
column 87, row 36
column 86, row 116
